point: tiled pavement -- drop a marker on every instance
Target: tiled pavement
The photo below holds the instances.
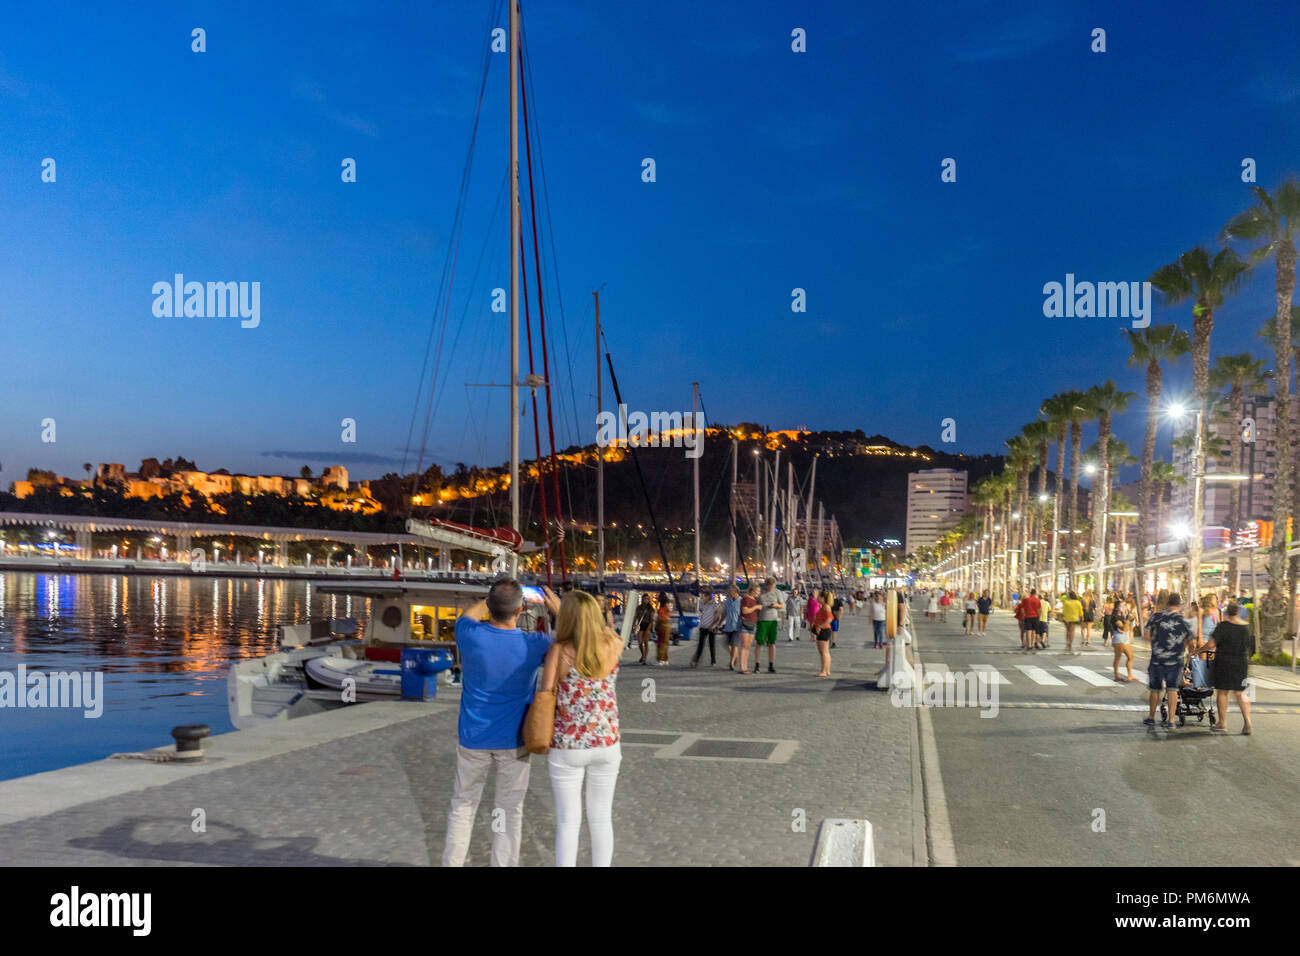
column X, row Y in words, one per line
column 380, row 796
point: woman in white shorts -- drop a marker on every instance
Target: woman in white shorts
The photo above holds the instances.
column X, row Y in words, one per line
column 1122, row 637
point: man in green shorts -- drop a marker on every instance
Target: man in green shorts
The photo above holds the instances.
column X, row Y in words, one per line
column 769, row 616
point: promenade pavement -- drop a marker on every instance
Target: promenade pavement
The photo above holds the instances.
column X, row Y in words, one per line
column 718, row 769
column 1066, row 773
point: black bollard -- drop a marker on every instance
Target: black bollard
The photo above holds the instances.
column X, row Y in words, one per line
column 188, row 737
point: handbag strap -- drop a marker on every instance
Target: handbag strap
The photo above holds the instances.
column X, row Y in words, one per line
column 559, row 654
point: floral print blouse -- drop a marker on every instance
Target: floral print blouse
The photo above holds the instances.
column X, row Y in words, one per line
column 586, row 711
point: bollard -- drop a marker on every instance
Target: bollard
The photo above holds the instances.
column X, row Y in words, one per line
column 188, row 737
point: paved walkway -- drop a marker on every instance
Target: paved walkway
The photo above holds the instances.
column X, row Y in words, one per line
column 370, row 785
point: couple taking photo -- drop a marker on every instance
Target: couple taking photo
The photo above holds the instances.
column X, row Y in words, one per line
column 499, row 664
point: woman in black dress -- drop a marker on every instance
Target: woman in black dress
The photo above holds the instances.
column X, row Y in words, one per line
column 1232, row 644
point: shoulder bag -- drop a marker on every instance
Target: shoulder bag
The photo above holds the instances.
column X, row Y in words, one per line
column 539, row 719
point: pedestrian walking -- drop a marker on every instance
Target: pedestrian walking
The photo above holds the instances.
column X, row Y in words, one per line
column 710, row 608
column 663, row 626
column 1027, row 611
column 1232, row 645
column 984, row 604
column 769, row 618
column 1089, row 616
column 932, row 607
column 968, row 622
column 837, row 611
column 822, row 633
column 793, row 614
column 945, row 601
column 731, row 625
column 1071, row 615
column 1122, row 619
column 879, row 614
column 813, row 606
column 749, row 608
column 1170, row 637
column 583, row 669
column 645, row 622
column 498, row 668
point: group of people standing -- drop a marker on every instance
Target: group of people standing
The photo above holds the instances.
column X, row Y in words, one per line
column 752, row 621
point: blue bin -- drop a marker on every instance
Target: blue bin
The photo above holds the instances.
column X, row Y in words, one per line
column 686, row 625
column 420, row 669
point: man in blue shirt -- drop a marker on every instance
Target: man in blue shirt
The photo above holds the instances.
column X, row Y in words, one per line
column 499, row 665
column 1170, row 636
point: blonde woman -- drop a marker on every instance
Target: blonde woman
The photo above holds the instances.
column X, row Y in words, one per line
column 583, row 667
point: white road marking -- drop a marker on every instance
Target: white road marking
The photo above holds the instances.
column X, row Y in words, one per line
column 1273, row 684
column 1092, row 677
column 1139, row 675
column 1038, row 675
column 995, row 676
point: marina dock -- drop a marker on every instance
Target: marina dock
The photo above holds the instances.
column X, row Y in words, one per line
column 718, row 769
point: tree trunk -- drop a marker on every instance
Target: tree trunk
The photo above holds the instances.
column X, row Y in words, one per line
column 1076, row 437
column 1274, row 611
column 1044, row 447
column 1056, row 503
column 1237, row 401
column 1102, row 508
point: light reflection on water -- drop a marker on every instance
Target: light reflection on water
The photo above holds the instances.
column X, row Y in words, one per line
column 162, row 644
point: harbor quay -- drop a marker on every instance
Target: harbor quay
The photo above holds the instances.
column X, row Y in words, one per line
column 718, row 769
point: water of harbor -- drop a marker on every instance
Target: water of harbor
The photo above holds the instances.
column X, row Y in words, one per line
column 162, row 644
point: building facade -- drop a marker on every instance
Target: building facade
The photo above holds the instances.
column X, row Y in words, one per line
column 936, row 501
column 1256, row 494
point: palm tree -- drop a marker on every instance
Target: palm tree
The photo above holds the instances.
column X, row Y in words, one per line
column 1206, row 280
column 1039, row 434
column 1020, row 460
column 1241, row 375
column 1274, row 221
column 1152, row 345
column 1056, row 411
column 982, row 498
column 1268, row 332
column 1104, row 401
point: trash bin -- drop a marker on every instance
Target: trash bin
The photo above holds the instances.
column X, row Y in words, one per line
column 420, row 669
column 687, row 626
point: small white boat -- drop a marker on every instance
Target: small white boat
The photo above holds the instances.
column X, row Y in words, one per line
column 378, row 678
column 306, row 676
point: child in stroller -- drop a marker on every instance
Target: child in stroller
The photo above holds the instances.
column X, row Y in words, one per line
column 1196, row 688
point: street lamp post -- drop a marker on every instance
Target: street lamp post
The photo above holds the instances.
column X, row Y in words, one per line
column 1196, row 542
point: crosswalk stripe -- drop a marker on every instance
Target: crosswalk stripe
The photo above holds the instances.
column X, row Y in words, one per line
column 1092, row 677
column 1273, row 684
column 1038, row 675
column 995, row 676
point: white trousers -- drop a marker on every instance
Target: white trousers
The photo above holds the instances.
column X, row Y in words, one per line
column 472, row 766
column 600, row 767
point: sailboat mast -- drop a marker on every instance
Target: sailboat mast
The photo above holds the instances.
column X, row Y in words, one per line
column 695, row 478
column 514, row 276
column 731, row 503
column 600, row 464
column 772, row 497
column 791, row 521
column 812, row 485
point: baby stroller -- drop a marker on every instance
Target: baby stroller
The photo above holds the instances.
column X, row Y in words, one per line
column 1194, row 692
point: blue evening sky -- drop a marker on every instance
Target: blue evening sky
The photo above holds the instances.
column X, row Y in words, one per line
column 775, row 170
